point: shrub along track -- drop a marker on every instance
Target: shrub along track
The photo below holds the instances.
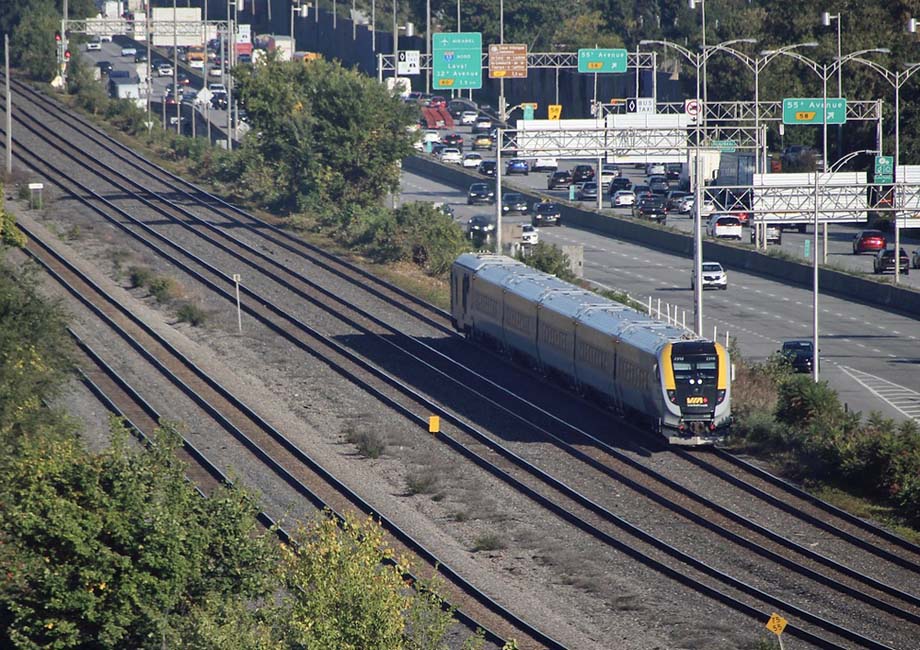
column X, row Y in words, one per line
column 652, row 491
column 299, row 472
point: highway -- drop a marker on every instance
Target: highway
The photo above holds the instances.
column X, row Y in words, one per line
column 840, row 236
column 870, row 356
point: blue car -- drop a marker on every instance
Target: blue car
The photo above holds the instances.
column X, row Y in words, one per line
column 518, row 166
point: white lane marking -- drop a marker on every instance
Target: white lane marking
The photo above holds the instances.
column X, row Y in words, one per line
column 907, row 400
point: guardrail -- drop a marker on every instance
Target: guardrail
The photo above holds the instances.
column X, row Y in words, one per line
column 843, row 285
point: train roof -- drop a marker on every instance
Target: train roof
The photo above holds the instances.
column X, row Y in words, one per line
column 593, row 310
column 477, row 261
column 572, row 302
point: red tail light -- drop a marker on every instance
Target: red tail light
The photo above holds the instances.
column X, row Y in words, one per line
column 720, row 396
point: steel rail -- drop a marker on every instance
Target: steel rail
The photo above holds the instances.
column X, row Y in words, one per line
column 267, row 521
column 263, row 455
column 748, row 544
column 226, row 294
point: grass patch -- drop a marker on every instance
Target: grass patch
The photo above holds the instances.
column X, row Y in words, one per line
column 73, row 233
column 191, row 314
column 370, row 444
column 865, row 509
column 163, row 289
column 422, row 481
column 139, row 276
column 488, row 542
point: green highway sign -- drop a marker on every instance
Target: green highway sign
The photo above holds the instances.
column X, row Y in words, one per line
column 601, row 60
column 728, row 146
column 884, row 169
column 456, row 59
column 810, row 110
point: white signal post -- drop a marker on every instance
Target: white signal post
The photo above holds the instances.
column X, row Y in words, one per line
column 239, row 313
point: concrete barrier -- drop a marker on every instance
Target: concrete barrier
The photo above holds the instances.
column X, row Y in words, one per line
column 836, row 283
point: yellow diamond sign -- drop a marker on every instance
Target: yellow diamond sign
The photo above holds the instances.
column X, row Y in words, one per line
column 776, row 624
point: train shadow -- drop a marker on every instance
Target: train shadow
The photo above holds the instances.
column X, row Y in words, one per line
column 535, row 409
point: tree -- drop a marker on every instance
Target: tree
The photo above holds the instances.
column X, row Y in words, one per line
column 33, row 346
column 113, row 550
column 32, row 44
column 549, row 258
column 333, row 136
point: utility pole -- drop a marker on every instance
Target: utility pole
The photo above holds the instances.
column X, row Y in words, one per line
column 9, row 106
column 176, row 70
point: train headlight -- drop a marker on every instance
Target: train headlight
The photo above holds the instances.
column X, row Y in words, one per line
column 720, row 396
column 672, row 395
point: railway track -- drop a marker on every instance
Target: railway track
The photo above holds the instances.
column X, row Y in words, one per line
column 121, row 399
column 432, row 314
column 305, row 476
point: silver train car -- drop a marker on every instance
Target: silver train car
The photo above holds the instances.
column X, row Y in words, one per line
column 680, row 383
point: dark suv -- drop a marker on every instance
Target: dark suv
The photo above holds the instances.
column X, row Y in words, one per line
column 884, row 262
column 582, row 173
column 652, row 208
column 799, row 354
column 545, row 214
column 558, row 179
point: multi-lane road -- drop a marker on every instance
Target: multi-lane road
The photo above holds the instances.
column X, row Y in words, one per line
column 870, row 356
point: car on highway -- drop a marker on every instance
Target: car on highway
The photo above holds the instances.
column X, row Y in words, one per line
column 456, row 107
column 140, row 57
column 799, row 353
column 129, row 50
column 651, row 208
column 642, row 190
column 529, row 235
column 674, row 198
column 545, row 165
column 482, row 123
column 445, row 208
column 884, row 262
column 672, row 171
column 587, row 191
column 658, row 185
column 724, row 226
column 688, row 203
column 164, row 70
column 546, row 213
column 623, row 197
column 453, row 140
column 620, row 183
column 105, row 67
column 437, row 101
column 450, row 155
column 184, row 79
column 431, row 136
column 93, row 45
column 915, row 259
column 487, row 168
column 607, row 176
column 871, row 241
column 773, row 234
column 714, row 276
column 468, row 118
column 655, row 169
column 215, row 71
column 481, row 224
column 480, row 193
column 582, row 173
column 517, row 166
column 471, row 160
column 482, row 141
column 559, row 179
column 514, row 202
column 217, row 89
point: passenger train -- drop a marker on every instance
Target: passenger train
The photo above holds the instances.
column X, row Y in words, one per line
column 679, row 382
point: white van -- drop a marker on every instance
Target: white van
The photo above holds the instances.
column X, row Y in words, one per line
column 724, row 226
column 655, row 169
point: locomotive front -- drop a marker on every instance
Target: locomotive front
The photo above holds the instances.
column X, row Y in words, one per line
column 695, row 380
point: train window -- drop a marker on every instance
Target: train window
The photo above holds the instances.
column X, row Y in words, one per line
column 466, row 290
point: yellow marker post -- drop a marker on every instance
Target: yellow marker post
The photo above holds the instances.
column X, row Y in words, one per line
column 434, row 424
column 777, row 624
column 554, row 111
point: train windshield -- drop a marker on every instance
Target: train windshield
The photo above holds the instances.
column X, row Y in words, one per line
column 693, row 368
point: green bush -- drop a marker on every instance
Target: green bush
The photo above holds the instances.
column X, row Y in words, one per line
column 163, row 289
column 802, row 403
column 139, row 276
column 191, row 314
column 549, row 258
